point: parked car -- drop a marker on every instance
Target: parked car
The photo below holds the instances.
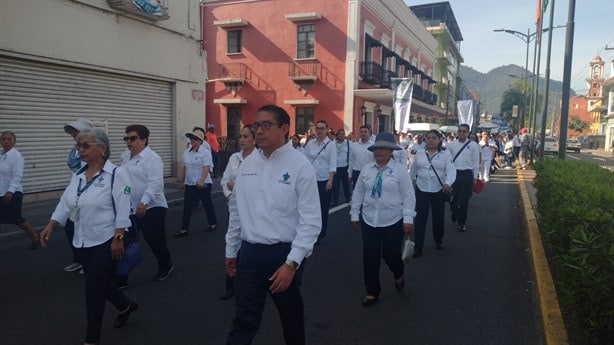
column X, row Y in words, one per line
column 574, row 145
column 551, row 146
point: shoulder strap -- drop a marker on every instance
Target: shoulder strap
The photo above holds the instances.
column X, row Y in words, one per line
column 322, row 149
column 432, row 167
column 348, row 153
column 112, row 197
column 461, row 150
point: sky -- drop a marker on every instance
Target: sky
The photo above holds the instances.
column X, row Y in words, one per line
column 483, row 49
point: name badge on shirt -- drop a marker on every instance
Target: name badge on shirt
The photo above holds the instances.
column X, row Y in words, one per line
column 74, row 214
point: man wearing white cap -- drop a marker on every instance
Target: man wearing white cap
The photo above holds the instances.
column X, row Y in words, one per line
column 74, row 163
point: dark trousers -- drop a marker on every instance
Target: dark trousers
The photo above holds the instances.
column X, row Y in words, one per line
column 461, row 191
column 99, row 268
column 324, row 205
column 378, row 243
column 258, row 263
column 340, row 179
column 215, row 157
column 190, row 195
column 355, row 174
column 424, row 202
column 70, row 234
column 153, row 228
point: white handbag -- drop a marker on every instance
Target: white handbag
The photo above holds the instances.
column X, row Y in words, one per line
column 408, row 250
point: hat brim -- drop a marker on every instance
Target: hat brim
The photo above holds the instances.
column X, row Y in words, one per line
column 193, row 136
column 383, row 145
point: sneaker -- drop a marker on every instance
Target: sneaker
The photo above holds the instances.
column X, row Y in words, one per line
column 81, row 272
column 73, row 267
column 164, row 274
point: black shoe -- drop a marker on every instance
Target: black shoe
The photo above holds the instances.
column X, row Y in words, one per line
column 181, row 234
column 367, row 302
column 123, row 317
column 211, row 228
column 35, row 244
column 439, row 245
column 227, row 295
column 399, row 285
column 164, row 274
column 462, row 228
column 416, row 254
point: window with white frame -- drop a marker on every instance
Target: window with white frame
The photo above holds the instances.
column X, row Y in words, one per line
column 305, row 41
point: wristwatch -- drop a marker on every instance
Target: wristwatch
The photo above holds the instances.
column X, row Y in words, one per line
column 292, row 264
column 119, row 237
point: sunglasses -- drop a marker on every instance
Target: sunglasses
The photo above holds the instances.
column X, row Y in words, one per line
column 85, row 146
column 131, row 138
column 266, row 125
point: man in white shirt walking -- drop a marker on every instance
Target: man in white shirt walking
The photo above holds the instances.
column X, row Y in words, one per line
column 466, row 159
column 322, row 155
column 275, row 221
column 360, row 154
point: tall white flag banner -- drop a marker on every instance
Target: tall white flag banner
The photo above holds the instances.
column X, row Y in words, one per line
column 402, row 89
column 465, row 112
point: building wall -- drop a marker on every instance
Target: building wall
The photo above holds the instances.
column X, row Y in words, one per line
column 578, row 108
column 89, row 34
column 268, row 46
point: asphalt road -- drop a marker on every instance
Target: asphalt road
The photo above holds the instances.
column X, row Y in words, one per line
column 478, row 290
column 604, row 160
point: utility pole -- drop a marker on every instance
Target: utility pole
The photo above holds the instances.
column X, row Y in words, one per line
column 547, row 77
column 567, row 77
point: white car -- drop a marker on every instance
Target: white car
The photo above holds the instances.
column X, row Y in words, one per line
column 551, row 146
column 573, row 145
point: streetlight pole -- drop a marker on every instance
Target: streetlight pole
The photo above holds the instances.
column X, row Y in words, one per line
column 527, row 38
column 547, row 85
column 567, row 77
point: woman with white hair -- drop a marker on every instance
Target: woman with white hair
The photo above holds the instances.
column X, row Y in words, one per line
column 97, row 200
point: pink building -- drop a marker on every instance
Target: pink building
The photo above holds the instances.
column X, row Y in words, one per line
column 318, row 59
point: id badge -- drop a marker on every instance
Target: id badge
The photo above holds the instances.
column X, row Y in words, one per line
column 74, row 214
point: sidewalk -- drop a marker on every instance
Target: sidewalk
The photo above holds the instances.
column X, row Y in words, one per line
column 38, row 212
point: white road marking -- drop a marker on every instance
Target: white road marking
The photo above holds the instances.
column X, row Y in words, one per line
column 338, row 207
column 574, row 157
column 599, row 159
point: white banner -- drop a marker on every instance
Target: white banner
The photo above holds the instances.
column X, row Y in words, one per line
column 465, row 112
column 402, row 89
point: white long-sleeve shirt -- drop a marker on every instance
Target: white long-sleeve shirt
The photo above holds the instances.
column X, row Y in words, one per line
column 146, row 171
column 343, row 153
column 323, row 160
column 96, row 220
column 425, row 177
column 468, row 159
column 232, row 169
column 359, row 156
column 194, row 161
column 275, row 200
column 396, row 201
column 11, row 171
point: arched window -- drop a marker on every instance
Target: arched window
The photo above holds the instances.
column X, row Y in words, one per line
column 596, row 72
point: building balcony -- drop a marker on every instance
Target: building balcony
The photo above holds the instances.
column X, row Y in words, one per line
column 304, row 74
column 233, row 75
column 372, row 73
column 386, row 76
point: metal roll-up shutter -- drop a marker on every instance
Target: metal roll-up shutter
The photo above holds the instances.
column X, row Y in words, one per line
column 37, row 100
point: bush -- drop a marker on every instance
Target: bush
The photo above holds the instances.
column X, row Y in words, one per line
column 576, row 207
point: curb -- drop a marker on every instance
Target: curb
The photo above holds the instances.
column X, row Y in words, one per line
column 552, row 319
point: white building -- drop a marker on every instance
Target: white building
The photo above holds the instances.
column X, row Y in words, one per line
column 608, row 94
column 105, row 60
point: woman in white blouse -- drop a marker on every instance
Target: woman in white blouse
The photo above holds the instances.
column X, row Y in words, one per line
column 434, row 173
column 196, row 181
column 385, row 197
column 97, row 200
column 247, row 143
column 11, row 192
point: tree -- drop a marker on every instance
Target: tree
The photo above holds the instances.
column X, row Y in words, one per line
column 578, row 125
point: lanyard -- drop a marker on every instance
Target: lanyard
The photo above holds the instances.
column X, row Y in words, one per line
column 80, row 191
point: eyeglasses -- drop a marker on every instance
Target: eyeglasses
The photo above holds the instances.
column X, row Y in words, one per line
column 131, row 138
column 85, row 146
column 320, row 128
column 266, row 125
column 464, row 131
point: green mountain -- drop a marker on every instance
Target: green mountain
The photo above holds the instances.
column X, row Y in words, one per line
column 493, row 84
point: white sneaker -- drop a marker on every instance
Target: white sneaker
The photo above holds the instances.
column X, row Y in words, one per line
column 73, row 267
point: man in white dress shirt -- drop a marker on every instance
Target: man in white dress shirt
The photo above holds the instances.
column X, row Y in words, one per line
column 274, row 221
column 360, row 154
column 322, row 155
column 466, row 159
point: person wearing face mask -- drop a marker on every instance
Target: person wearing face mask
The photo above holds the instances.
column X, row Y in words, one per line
column 434, row 173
